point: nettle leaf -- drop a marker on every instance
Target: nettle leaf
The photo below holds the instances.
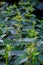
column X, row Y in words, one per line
column 29, row 40
column 40, row 57
column 2, row 52
column 17, row 52
column 21, row 59
column 7, row 41
column 31, row 33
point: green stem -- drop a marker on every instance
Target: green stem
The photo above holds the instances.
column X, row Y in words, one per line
column 6, row 58
column 6, row 61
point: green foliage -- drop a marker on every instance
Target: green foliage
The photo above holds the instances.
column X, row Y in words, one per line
column 21, row 34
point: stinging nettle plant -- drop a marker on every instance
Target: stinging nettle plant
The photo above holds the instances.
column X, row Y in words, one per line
column 8, row 49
